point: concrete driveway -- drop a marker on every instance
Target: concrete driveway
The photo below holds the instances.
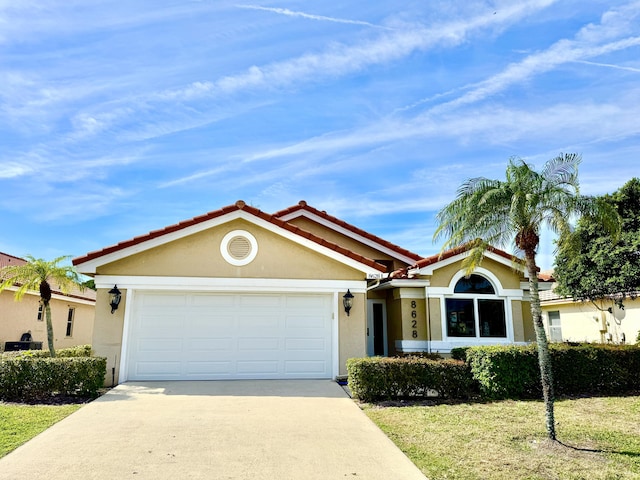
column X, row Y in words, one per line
column 296, row 429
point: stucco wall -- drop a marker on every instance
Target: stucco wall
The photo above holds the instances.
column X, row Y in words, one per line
column 17, row 318
column 198, row 255
column 435, row 319
column 583, row 322
column 352, row 331
column 107, row 333
column 346, row 242
column 508, row 277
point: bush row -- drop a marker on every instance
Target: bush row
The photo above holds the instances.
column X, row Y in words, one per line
column 375, row 378
column 27, row 378
column 77, row 351
column 585, row 369
column 499, row 372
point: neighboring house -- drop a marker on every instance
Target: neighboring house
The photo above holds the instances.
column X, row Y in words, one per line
column 239, row 293
column 604, row 321
column 72, row 315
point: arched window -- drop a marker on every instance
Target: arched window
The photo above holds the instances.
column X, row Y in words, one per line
column 474, row 284
column 474, row 310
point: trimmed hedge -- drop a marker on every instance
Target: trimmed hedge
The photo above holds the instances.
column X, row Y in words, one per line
column 77, row 351
column 584, row 369
column 376, row 378
column 27, row 378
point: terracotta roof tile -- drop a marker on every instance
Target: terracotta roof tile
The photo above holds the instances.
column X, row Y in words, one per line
column 239, row 205
column 425, row 262
column 302, row 205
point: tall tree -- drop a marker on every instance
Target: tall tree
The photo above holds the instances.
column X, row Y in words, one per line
column 591, row 267
column 38, row 275
column 495, row 212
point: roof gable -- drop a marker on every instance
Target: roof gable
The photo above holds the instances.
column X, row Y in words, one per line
column 340, row 226
column 88, row 263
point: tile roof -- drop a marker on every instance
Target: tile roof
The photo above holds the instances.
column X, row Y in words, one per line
column 302, row 205
column 239, row 205
column 7, row 260
column 425, row 262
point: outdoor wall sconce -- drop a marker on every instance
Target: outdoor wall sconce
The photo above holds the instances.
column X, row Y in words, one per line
column 115, row 296
column 347, row 301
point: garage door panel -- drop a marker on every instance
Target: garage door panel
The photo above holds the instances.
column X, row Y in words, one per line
column 206, row 368
column 210, row 344
column 159, row 345
column 216, row 336
column 305, row 344
column 159, row 368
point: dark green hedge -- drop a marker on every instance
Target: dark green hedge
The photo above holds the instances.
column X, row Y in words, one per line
column 586, row 369
column 26, row 378
column 376, row 378
column 77, row 351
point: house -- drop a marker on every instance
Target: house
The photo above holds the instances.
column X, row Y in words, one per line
column 602, row 321
column 71, row 314
column 240, row 293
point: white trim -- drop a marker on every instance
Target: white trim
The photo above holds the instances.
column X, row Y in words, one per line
column 126, row 333
column 430, row 269
column 348, row 233
column 402, row 284
column 335, row 335
column 437, row 346
column 224, row 248
column 206, row 284
column 57, row 296
column 90, row 266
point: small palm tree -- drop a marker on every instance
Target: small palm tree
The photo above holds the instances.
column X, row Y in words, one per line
column 493, row 212
column 37, row 275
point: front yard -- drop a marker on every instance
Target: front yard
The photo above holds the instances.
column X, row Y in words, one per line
column 19, row 423
column 506, row 440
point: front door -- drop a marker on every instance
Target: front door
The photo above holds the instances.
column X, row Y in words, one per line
column 377, row 328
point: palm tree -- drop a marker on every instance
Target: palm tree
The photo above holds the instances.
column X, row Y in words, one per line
column 493, row 212
column 38, row 274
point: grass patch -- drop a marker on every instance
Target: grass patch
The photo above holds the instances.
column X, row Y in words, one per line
column 600, row 439
column 19, row 423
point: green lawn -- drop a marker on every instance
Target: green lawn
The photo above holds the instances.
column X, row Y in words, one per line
column 600, row 439
column 19, row 423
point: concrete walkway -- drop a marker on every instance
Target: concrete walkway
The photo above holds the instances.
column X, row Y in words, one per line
column 297, row 429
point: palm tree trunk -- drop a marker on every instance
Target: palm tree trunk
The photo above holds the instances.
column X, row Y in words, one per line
column 47, row 311
column 544, row 359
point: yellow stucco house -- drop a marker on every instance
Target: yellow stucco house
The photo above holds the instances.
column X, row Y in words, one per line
column 603, row 321
column 72, row 315
column 239, row 293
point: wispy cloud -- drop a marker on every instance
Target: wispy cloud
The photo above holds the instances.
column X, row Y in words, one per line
column 609, row 65
column 322, row 18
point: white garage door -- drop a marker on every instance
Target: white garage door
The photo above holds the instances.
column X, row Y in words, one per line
column 205, row 336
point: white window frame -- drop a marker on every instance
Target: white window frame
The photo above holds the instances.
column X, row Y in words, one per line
column 500, row 294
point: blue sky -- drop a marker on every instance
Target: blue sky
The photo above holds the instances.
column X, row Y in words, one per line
column 117, row 118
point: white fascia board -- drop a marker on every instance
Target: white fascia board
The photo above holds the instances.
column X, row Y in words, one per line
column 207, row 284
column 430, row 269
column 348, row 233
column 91, row 265
column 512, row 293
column 402, row 284
column 57, row 296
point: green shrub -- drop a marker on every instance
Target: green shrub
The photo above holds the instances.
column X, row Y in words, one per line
column 376, row 378
column 77, row 351
column 580, row 369
column 459, row 353
column 27, row 378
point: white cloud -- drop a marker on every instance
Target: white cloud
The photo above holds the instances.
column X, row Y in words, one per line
column 291, row 13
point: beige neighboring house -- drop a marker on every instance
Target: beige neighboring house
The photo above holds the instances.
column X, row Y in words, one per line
column 72, row 314
column 238, row 293
column 602, row 321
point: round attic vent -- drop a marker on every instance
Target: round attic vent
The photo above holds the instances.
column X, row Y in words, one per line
column 239, row 247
